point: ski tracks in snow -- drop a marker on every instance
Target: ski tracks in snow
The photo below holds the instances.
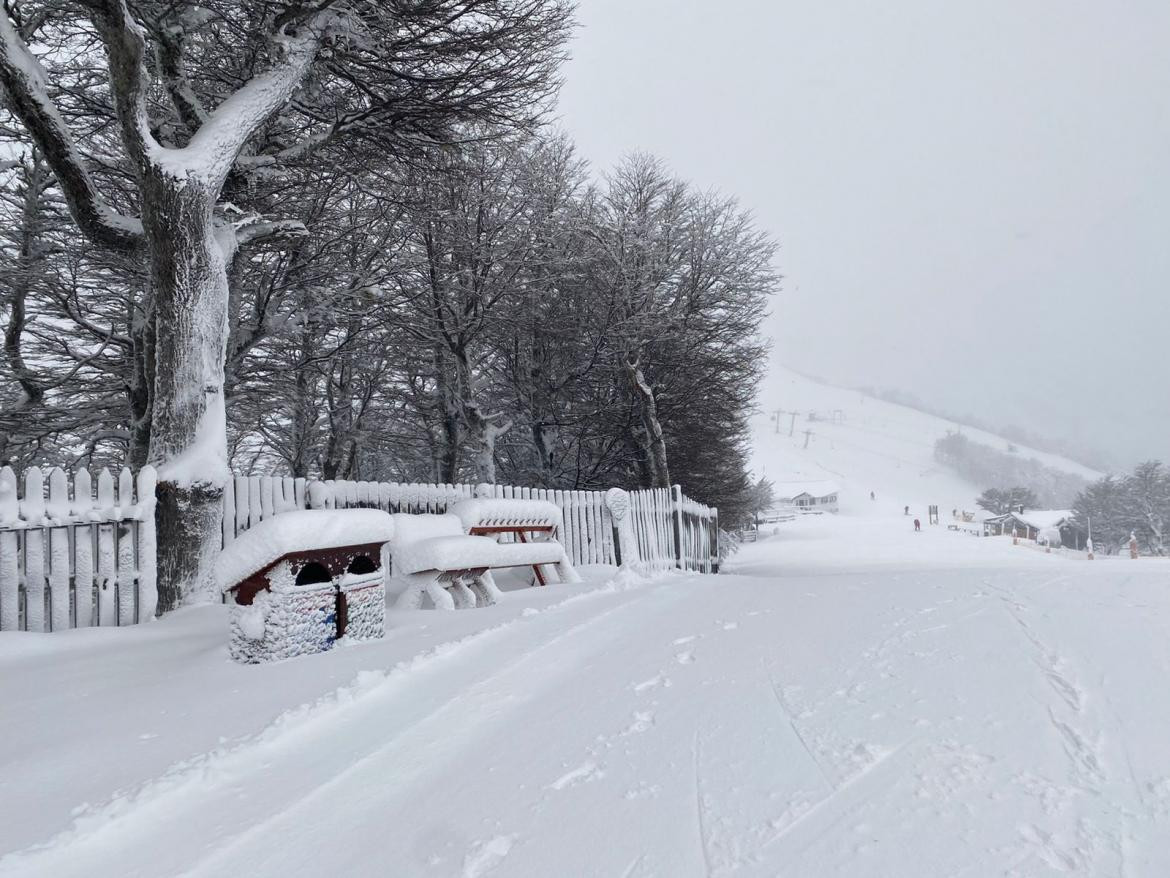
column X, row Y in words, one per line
column 183, row 822
column 1101, row 784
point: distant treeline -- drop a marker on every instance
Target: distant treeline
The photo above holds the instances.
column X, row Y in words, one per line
column 989, row 467
column 1090, row 457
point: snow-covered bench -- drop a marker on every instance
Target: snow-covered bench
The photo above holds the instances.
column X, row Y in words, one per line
column 449, row 558
column 520, row 519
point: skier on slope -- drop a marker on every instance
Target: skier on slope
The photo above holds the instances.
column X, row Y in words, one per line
column 917, row 525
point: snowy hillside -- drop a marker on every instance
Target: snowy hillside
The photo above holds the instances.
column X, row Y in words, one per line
column 865, row 444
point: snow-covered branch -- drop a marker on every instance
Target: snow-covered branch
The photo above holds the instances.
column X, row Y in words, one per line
column 215, row 146
column 26, row 94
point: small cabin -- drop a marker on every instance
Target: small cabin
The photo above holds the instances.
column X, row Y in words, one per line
column 807, row 497
column 1030, row 524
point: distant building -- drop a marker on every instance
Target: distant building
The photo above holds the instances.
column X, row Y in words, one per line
column 805, row 497
column 1030, row 524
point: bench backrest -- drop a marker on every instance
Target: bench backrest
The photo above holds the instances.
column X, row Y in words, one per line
column 501, row 512
column 409, row 528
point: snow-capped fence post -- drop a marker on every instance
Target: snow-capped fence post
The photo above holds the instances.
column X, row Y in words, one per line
column 48, row 539
column 319, row 495
column 715, row 548
column 676, row 513
column 625, row 544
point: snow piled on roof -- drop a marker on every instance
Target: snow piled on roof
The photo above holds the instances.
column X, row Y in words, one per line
column 1044, row 518
column 298, row 531
column 1037, row 518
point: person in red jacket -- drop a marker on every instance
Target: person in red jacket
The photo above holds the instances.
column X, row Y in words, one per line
column 917, row 524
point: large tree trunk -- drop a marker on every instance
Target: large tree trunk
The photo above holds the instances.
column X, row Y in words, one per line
column 486, row 429
column 448, row 380
column 304, row 419
column 650, row 438
column 339, row 443
column 188, row 433
column 178, row 189
column 544, row 444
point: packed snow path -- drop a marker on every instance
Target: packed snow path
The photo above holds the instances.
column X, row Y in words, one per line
column 972, row 709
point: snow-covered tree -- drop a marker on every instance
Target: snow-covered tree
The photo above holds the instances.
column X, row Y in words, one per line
column 997, row 501
column 1147, row 507
column 206, row 99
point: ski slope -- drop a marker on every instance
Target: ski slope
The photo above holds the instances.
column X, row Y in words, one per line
column 866, row 444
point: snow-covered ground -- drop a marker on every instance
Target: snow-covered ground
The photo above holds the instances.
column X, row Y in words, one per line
column 850, row 698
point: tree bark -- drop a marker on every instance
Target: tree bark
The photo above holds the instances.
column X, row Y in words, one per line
column 141, row 390
column 189, row 286
column 651, row 437
column 486, row 430
column 450, row 415
column 28, row 260
column 543, row 443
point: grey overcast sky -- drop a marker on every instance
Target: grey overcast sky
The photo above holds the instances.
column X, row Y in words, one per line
column 972, row 198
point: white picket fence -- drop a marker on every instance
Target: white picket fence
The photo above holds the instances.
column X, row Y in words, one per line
column 72, row 558
column 668, row 528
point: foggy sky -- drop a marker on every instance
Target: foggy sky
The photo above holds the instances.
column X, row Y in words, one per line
column 972, row 198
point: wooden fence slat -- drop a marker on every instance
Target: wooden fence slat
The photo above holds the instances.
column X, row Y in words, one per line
column 267, row 497
column 568, row 510
column 597, row 539
column 83, row 539
column 243, row 484
column 57, row 510
column 107, row 564
column 284, row 494
column 255, row 504
column 584, row 502
column 33, row 511
column 127, row 568
column 147, row 545
column 589, row 532
column 9, row 553
column 581, row 516
column 227, row 523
